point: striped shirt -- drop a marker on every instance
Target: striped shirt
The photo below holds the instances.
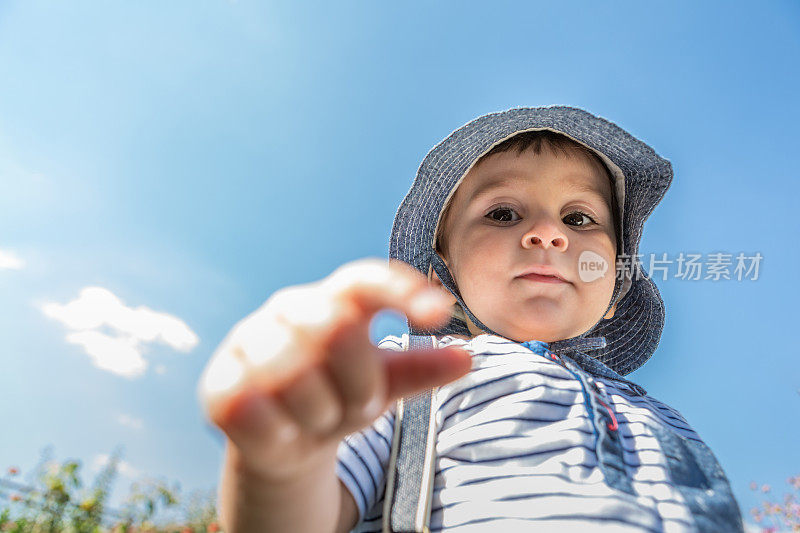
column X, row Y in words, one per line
column 515, row 450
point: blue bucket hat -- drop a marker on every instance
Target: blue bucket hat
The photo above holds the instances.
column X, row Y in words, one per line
column 641, row 178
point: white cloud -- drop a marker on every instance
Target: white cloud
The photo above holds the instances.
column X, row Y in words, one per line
column 130, row 421
column 116, row 354
column 123, row 467
column 96, row 306
column 121, row 352
column 10, row 260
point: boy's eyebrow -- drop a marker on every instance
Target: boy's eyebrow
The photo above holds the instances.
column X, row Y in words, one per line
column 490, row 185
column 576, row 185
column 582, row 186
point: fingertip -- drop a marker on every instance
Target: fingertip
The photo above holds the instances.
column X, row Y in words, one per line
column 430, row 306
column 222, row 375
column 216, row 385
column 452, row 363
column 461, row 358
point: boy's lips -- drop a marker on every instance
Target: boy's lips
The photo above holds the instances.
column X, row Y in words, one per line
column 543, row 273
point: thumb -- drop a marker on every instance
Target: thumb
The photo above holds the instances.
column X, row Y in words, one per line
column 412, row 371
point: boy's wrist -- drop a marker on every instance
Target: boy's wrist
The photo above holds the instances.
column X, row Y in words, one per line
column 254, row 501
column 286, row 475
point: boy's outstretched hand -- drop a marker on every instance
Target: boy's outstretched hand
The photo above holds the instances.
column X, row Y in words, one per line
column 297, row 375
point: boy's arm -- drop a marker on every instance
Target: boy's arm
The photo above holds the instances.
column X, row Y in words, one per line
column 298, row 375
column 318, row 502
column 348, row 511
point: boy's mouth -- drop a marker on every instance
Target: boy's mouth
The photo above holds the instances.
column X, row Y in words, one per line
column 544, row 274
column 543, row 279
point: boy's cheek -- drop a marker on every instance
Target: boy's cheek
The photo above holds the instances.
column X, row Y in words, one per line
column 593, row 267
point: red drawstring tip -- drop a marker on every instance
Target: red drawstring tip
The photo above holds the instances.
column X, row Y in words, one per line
column 614, row 426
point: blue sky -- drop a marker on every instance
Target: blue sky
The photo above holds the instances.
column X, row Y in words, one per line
column 184, row 160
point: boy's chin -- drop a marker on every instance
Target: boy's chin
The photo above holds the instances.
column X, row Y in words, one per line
column 542, row 332
column 533, row 327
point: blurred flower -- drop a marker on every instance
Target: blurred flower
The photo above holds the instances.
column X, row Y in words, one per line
column 13, row 471
column 753, row 485
column 764, row 488
column 88, row 505
column 16, row 498
column 213, row 527
column 757, row 516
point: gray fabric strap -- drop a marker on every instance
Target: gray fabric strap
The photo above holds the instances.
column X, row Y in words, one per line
column 409, row 480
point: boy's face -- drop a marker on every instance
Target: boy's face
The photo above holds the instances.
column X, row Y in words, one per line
column 514, row 212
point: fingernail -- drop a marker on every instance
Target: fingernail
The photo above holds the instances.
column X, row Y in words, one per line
column 222, row 375
column 428, row 300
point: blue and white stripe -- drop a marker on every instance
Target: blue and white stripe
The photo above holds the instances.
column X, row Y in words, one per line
column 516, row 450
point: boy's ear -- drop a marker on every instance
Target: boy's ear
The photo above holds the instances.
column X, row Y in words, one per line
column 433, row 279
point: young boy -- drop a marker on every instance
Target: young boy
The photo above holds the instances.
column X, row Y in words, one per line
column 521, row 220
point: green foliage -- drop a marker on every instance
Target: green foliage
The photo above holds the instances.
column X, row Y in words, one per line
column 58, row 502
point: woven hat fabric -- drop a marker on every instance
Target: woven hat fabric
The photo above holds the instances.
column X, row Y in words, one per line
column 643, row 177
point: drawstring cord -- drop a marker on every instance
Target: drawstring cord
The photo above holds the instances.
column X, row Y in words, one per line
column 559, row 348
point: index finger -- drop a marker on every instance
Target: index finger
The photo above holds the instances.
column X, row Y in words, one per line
column 374, row 284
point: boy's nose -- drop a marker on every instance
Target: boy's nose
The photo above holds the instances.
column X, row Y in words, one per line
column 545, row 235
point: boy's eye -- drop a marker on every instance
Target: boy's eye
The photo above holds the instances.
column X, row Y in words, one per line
column 502, row 214
column 507, row 214
column 578, row 218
